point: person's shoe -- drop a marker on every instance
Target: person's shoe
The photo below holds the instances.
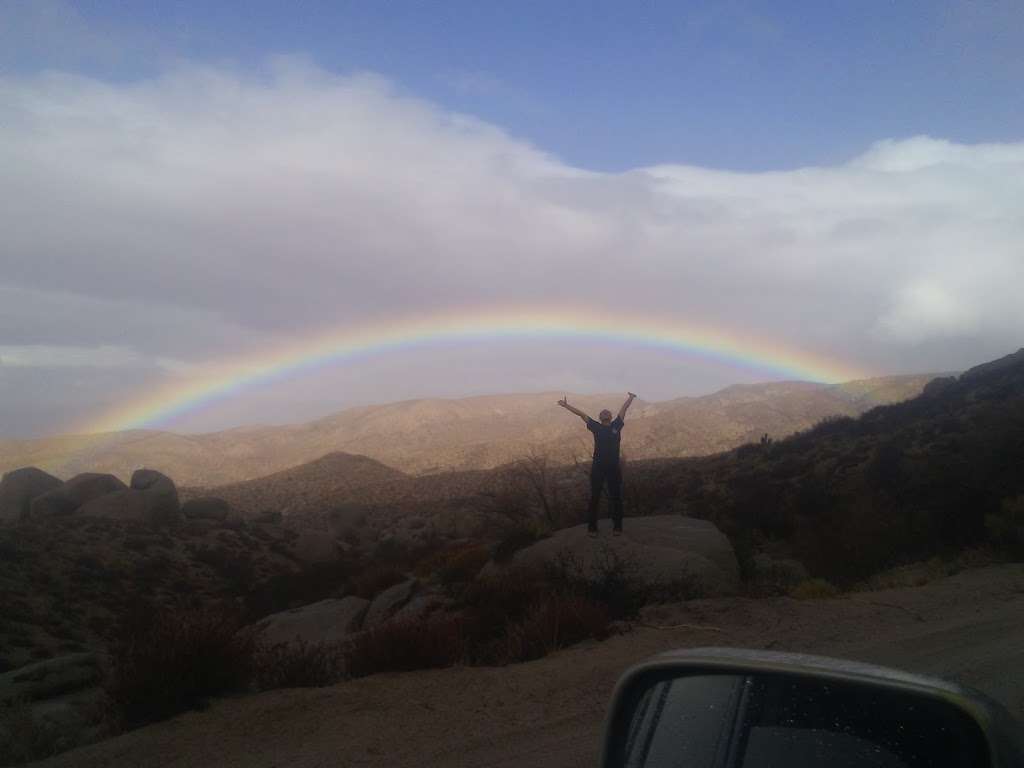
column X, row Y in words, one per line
column 592, row 534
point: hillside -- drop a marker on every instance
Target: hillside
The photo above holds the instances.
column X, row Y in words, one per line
column 425, row 436
column 934, row 480
column 929, row 476
column 846, row 497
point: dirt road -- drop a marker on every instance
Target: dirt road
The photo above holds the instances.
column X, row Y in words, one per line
column 548, row 713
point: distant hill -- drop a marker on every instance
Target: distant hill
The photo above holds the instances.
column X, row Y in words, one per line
column 936, row 474
column 436, row 435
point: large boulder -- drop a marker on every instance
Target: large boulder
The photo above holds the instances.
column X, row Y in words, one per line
column 419, row 608
column 206, row 508
column 50, row 678
column 388, row 603
column 661, row 550
column 324, row 622
column 161, row 495
column 119, row 505
column 62, row 696
column 79, row 490
column 17, row 489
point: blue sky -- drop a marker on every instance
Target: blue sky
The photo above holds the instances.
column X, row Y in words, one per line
column 605, row 85
column 191, row 183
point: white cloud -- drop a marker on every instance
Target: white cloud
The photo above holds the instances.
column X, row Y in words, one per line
column 39, row 356
column 203, row 213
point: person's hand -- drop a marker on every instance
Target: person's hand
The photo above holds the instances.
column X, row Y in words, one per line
column 564, row 402
column 631, row 396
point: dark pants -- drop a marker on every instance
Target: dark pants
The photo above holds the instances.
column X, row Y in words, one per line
column 599, row 475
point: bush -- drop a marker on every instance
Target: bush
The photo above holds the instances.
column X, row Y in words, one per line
column 165, row 662
column 404, row 646
column 455, row 565
column 813, row 589
column 298, row 665
column 555, row 621
column 1006, row 528
column 612, row 580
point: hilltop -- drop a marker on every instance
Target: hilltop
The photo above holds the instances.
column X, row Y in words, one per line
column 436, row 435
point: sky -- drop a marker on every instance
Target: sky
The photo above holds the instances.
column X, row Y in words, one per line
column 184, row 184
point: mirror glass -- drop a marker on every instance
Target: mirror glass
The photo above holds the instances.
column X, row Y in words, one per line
column 760, row 720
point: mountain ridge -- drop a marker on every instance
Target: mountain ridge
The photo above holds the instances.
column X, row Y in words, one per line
column 428, row 435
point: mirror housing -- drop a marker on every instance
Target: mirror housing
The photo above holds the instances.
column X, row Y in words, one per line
column 728, row 708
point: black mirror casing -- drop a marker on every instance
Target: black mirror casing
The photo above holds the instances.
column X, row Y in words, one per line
column 994, row 736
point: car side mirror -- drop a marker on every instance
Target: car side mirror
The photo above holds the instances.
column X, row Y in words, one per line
column 726, row 708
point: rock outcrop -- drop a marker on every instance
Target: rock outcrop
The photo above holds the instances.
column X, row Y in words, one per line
column 50, row 678
column 62, row 694
column 152, row 499
column 160, row 493
column 79, row 490
column 326, row 621
column 19, row 487
column 660, row 550
column 388, row 603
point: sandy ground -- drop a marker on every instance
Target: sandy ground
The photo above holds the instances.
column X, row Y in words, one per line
column 549, row 713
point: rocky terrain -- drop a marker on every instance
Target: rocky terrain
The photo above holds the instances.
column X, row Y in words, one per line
column 428, row 436
column 345, row 567
column 550, row 713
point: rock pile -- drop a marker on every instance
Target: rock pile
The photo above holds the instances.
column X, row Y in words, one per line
column 337, row 619
column 31, row 494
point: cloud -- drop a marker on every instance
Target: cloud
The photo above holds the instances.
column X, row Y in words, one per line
column 37, row 356
column 207, row 213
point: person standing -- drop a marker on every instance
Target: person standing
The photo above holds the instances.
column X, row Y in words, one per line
column 605, row 468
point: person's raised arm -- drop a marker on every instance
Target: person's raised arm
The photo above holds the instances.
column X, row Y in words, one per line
column 625, row 405
column 564, row 402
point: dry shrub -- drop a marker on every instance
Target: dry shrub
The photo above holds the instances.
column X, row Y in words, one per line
column 298, row 665
column 167, row 661
column 456, row 564
column 813, row 589
column 403, row 646
column 610, row 580
column 554, row 622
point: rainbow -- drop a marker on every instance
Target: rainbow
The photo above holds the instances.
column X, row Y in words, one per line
column 206, row 385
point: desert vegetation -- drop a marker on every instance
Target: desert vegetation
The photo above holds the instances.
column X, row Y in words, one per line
column 903, row 494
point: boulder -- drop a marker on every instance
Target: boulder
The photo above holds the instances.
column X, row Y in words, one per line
column 61, row 695
column 206, row 508
column 79, row 490
column 419, row 607
column 324, row 622
column 119, row 505
column 50, row 678
column 19, row 487
column 658, row 550
column 387, row 603
column 161, row 495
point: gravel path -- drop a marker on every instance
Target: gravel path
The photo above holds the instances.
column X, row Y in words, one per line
column 549, row 713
